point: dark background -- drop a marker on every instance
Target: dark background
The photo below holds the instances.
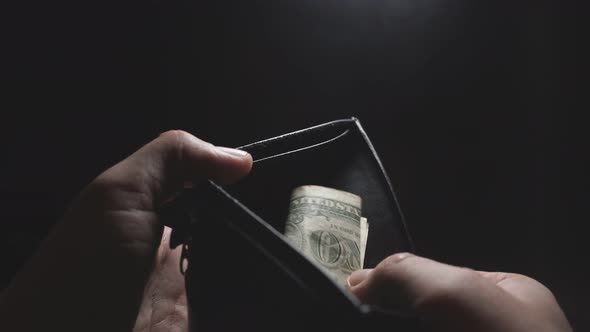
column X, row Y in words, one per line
column 474, row 106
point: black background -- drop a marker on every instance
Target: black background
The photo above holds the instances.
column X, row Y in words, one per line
column 474, row 107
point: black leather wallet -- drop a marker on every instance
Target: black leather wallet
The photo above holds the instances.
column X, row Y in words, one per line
column 241, row 273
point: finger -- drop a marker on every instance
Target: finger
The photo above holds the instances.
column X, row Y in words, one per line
column 447, row 297
column 357, row 277
column 164, row 304
column 412, row 283
column 162, row 167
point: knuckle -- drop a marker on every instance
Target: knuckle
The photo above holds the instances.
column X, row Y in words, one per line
column 450, row 291
column 390, row 270
column 467, row 276
column 380, row 275
column 170, row 144
column 173, row 134
column 175, row 141
column 174, row 137
column 392, row 265
column 462, row 279
column 396, row 258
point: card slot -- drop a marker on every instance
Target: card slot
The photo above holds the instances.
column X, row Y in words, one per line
column 300, row 140
column 282, row 154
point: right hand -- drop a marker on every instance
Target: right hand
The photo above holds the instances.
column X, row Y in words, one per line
column 449, row 298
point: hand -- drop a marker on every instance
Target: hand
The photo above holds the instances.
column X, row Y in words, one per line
column 107, row 266
column 449, row 298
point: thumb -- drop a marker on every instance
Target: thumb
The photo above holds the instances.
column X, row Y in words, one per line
column 402, row 281
column 448, row 296
column 161, row 167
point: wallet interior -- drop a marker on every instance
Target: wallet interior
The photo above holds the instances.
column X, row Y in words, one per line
column 336, row 155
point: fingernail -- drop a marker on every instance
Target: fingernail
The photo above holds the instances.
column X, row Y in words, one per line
column 357, row 277
column 232, row 152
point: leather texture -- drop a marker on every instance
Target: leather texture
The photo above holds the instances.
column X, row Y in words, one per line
column 243, row 275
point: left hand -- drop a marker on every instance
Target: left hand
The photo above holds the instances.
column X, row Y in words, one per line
column 107, row 265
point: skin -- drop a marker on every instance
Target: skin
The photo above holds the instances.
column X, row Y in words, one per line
column 450, row 298
column 106, row 266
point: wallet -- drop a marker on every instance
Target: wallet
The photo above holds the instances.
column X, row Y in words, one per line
column 242, row 275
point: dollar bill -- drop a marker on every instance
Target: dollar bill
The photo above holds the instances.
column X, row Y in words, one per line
column 326, row 226
column 364, row 236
